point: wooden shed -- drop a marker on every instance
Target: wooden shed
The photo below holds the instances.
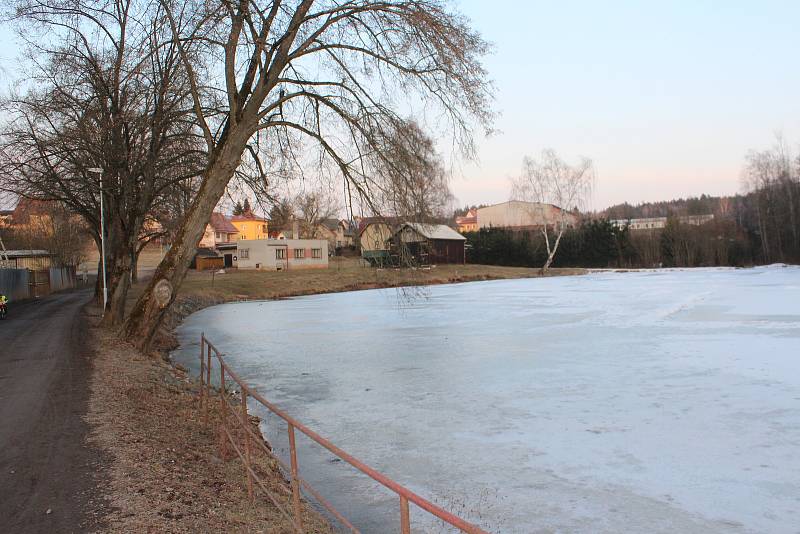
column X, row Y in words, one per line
column 26, row 259
column 207, row 259
column 431, row 243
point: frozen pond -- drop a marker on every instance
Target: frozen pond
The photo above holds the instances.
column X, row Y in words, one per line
column 659, row 401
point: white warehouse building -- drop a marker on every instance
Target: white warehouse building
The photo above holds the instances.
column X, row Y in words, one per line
column 282, row 254
column 520, row 215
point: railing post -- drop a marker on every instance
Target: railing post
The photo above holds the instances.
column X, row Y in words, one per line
column 208, row 381
column 222, row 380
column 246, row 436
column 295, row 481
column 222, row 416
column 405, row 519
column 202, row 369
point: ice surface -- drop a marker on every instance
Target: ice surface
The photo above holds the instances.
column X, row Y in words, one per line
column 656, row 401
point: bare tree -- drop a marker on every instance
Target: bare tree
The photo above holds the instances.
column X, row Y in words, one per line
column 417, row 186
column 59, row 232
column 759, row 175
column 773, row 181
column 110, row 91
column 313, row 208
column 289, row 83
column 549, row 182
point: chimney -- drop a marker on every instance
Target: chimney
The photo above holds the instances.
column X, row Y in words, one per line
column 295, row 229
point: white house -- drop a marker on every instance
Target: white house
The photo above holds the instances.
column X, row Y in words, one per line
column 655, row 223
column 282, row 254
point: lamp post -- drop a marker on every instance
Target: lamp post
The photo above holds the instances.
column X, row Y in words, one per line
column 102, row 236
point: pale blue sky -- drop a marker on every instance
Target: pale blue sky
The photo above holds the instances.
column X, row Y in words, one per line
column 666, row 97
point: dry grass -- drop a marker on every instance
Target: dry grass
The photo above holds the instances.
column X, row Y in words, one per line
column 149, row 258
column 202, row 289
column 167, row 474
column 343, row 274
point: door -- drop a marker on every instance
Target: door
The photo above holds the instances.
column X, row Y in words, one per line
column 39, row 283
column 228, row 260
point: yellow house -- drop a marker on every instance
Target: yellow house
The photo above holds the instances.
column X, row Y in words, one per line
column 469, row 222
column 251, row 226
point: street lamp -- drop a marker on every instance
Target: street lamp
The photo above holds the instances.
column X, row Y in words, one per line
column 102, row 236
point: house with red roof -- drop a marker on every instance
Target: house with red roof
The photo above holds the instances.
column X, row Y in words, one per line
column 220, row 236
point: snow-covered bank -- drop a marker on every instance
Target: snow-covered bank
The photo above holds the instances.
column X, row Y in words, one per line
column 641, row 401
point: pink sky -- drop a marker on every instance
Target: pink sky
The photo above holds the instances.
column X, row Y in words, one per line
column 666, row 98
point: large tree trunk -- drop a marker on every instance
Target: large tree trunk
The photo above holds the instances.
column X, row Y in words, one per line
column 118, row 269
column 117, row 294
column 119, row 284
column 149, row 311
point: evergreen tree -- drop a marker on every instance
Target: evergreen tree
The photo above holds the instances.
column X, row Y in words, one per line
column 246, row 208
column 280, row 214
column 238, row 209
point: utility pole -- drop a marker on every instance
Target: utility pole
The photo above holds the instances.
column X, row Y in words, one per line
column 102, row 237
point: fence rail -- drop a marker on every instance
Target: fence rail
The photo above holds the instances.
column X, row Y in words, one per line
column 234, row 422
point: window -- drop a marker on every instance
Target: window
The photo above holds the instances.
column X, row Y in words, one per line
column 218, row 236
column 264, row 228
column 316, row 252
column 299, row 253
column 280, row 253
column 244, row 253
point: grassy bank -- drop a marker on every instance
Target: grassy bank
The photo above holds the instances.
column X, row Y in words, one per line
column 166, row 472
column 202, row 289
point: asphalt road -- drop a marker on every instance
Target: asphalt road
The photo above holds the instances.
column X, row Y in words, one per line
column 45, row 462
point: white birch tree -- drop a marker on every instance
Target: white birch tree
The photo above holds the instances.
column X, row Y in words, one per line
column 549, row 181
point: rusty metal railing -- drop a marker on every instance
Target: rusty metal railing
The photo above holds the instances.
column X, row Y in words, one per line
column 230, row 414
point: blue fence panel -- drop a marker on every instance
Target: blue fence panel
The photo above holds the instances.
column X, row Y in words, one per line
column 15, row 283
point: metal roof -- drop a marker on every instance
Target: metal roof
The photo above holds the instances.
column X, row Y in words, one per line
column 435, row 231
column 25, row 253
column 206, row 252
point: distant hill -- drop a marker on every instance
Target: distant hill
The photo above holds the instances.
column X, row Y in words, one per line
column 719, row 206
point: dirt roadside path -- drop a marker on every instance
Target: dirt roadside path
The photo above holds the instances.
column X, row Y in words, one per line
column 45, row 460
